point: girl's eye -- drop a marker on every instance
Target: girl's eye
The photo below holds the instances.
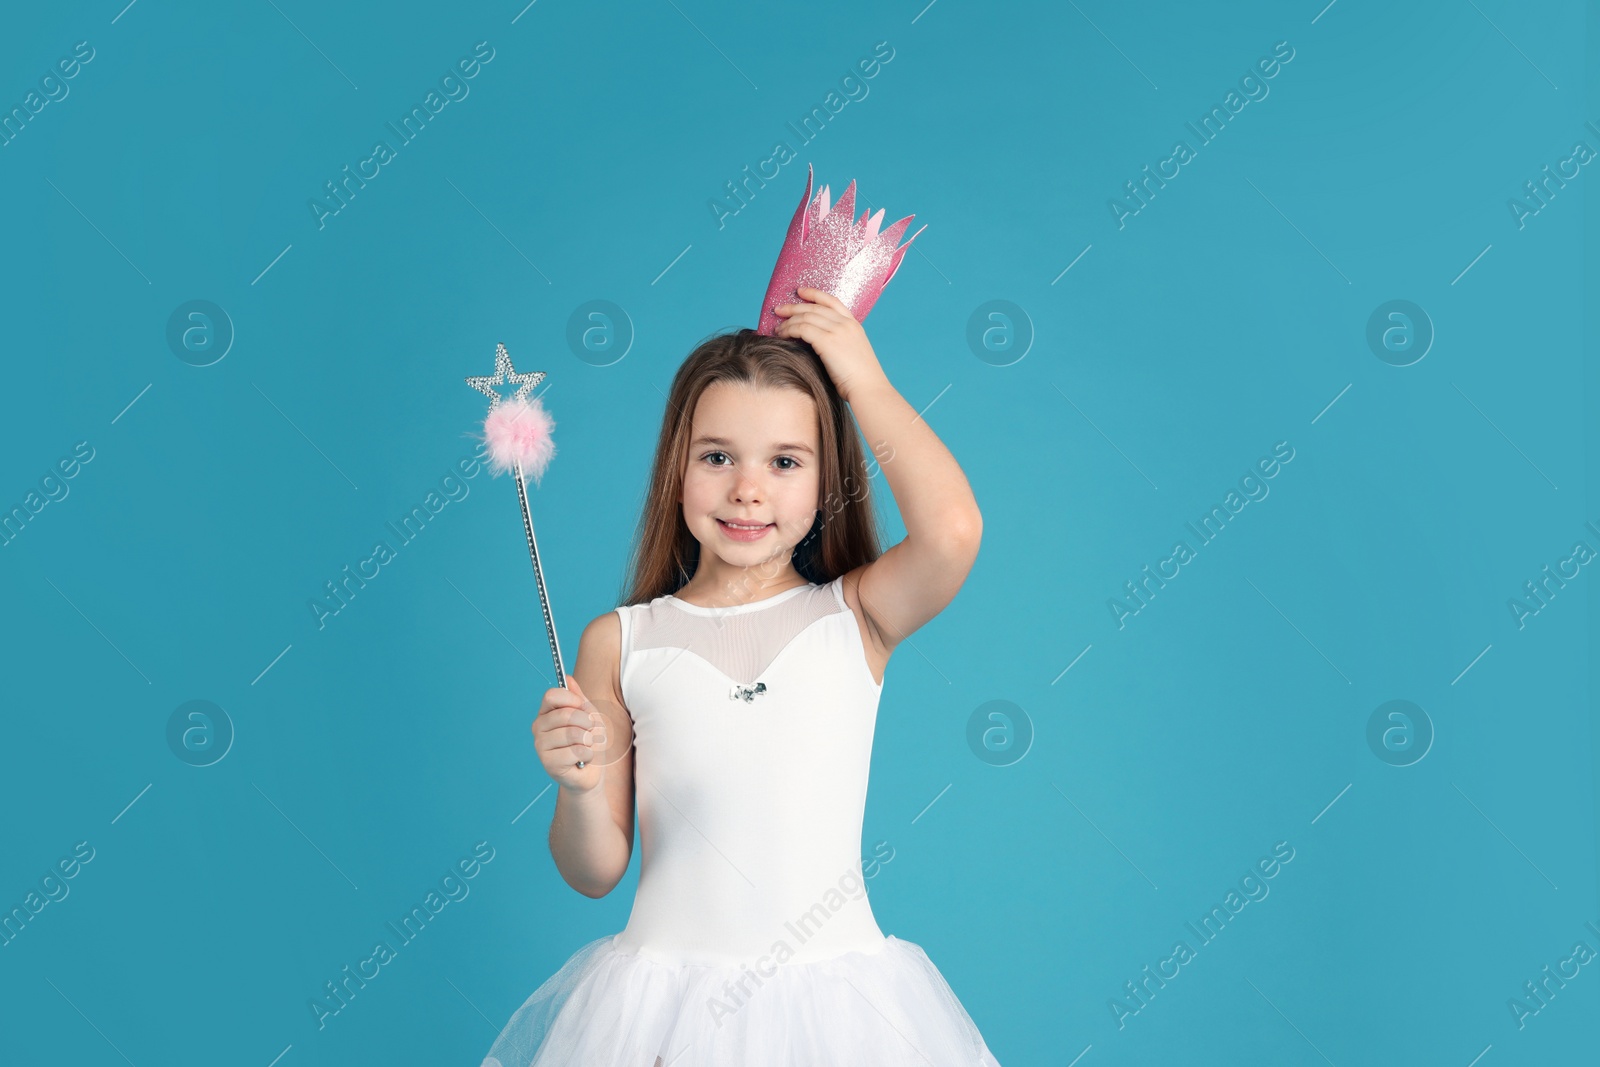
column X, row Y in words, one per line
column 789, row 459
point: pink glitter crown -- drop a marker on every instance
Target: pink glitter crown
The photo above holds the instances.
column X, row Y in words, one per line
column 825, row 250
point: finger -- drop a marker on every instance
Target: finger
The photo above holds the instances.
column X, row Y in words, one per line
column 830, row 319
column 791, row 311
column 812, row 318
column 571, row 739
column 795, row 333
column 809, row 311
column 565, row 717
column 823, row 297
column 590, row 736
column 572, row 684
column 809, row 330
column 575, row 754
column 563, row 697
column 559, row 713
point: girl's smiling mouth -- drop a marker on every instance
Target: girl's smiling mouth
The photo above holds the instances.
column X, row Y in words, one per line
column 743, row 533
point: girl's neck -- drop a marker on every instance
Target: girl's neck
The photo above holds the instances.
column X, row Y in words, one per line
column 736, row 586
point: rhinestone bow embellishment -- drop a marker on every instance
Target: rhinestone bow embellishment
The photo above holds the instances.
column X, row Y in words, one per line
column 747, row 693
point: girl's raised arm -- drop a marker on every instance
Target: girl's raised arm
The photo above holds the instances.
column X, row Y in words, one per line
column 914, row 580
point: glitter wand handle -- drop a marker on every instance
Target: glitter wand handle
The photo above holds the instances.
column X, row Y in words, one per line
column 538, row 578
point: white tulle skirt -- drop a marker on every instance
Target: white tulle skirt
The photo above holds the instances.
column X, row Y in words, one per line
column 609, row 1006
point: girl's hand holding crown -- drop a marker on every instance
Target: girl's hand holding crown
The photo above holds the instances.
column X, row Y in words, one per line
column 824, row 322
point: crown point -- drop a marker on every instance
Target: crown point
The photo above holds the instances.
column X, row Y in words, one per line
column 873, row 224
column 847, row 202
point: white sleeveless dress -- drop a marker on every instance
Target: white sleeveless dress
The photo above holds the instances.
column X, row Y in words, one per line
column 751, row 942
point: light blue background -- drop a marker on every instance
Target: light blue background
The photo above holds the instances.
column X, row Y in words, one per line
column 1228, row 315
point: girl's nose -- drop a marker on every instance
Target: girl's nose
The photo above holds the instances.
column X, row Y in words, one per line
column 746, row 488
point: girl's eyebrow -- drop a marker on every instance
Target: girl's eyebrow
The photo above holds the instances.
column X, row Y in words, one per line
column 725, row 443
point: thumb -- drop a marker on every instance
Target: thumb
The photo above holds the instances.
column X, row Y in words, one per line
column 572, row 684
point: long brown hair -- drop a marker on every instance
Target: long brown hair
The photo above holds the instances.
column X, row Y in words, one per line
column 844, row 534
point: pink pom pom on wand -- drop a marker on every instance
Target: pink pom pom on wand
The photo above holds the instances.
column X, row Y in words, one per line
column 516, row 434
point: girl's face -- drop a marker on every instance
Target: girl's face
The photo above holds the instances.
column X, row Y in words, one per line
column 753, row 461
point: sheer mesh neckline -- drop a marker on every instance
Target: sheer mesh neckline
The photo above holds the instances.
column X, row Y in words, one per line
column 737, row 609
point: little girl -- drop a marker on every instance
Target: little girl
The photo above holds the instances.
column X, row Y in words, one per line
column 734, row 697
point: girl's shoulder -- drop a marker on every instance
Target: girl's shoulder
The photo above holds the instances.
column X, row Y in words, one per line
column 599, row 665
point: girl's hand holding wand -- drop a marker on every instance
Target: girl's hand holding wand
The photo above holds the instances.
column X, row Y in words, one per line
column 569, row 730
column 569, row 736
